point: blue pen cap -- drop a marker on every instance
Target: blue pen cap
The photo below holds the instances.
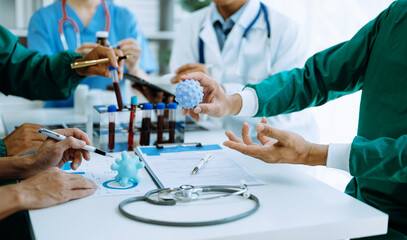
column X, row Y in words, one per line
column 160, row 105
column 134, row 100
column 111, row 68
column 111, row 108
column 172, row 105
column 148, row 106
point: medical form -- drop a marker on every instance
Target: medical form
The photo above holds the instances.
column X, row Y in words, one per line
column 171, row 166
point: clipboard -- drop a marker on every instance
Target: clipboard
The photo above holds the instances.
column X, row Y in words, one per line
column 171, row 166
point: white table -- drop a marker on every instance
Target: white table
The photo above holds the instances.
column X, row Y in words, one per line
column 293, row 206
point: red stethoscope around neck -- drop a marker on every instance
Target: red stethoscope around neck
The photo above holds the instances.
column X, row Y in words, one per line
column 75, row 25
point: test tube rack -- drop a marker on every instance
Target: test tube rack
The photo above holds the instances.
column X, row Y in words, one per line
column 122, row 121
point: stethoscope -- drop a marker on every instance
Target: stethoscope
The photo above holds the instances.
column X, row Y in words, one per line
column 187, row 194
column 266, row 18
column 75, row 25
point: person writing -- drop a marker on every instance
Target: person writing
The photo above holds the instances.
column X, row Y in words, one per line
column 373, row 61
column 28, row 74
column 73, row 24
column 239, row 42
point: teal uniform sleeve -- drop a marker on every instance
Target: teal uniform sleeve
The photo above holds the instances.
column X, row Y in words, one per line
column 3, row 150
column 28, row 74
column 380, row 159
column 327, row 75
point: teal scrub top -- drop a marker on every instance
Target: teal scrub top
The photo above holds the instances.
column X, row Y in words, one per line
column 28, row 74
column 374, row 61
column 44, row 37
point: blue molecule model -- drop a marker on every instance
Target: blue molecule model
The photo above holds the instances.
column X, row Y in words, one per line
column 127, row 169
column 189, row 94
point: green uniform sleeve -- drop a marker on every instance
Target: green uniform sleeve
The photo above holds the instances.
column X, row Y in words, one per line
column 327, row 75
column 28, row 74
column 3, row 151
column 379, row 159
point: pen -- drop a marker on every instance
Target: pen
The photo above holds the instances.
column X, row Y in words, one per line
column 94, row 62
column 61, row 137
column 203, row 160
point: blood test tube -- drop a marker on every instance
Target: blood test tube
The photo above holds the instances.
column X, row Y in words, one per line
column 116, row 86
column 172, row 108
column 112, row 112
column 132, row 121
column 160, row 121
column 146, row 124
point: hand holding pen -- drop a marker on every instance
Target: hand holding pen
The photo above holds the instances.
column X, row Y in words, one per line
column 101, row 69
column 65, row 145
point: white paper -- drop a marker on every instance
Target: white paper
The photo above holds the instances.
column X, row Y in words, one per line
column 174, row 169
column 98, row 170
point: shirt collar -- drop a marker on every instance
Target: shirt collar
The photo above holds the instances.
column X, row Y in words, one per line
column 215, row 16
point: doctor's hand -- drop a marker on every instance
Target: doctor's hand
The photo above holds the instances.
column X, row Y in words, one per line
column 49, row 188
column 189, row 68
column 53, row 153
column 25, row 138
column 101, row 69
column 288, row 147
column 215, row 101
column 86, row 48
column 129, row 46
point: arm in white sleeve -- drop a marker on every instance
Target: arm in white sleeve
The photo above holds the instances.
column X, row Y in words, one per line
column 338, row 156
column 250, row 104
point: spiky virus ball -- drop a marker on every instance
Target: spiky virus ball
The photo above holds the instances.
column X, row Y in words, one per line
column 127, row 169
column 189, row 93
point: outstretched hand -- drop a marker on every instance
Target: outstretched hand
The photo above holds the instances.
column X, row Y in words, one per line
column 277, row 146
column 215, row 101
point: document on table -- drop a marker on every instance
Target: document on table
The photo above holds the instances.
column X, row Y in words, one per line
column 172, row 166
column 98, row 170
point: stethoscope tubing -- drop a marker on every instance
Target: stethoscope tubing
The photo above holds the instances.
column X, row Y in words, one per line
column 146, row 198
column 75, row 25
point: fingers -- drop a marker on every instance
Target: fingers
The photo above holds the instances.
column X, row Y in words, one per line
column 266, row 130
column 76, row 133
column 232, row 137
column 208, row 108
column 89, row 45
column 193, row 115
column 70, row 142
column 247, row 139
column 120, row 69
column 189, row 66
column 202, row 78
column 77, row 160
column 159, row 97
column 170, row 99
column 260, row 136
column 251, row 150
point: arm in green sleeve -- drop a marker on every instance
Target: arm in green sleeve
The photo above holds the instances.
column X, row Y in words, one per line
column 28, row 74
column 379, row 159
column 327, row 75
column 3, row 150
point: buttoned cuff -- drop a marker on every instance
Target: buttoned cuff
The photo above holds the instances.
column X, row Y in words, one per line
column 338, row 156
column 3, row 150
column 250, row 104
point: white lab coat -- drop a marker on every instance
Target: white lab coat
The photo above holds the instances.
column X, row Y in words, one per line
column 246, row 60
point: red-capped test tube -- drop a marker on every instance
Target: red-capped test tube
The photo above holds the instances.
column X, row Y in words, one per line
column 116, row 86
column 146, row 124
column 160, row 121
column 172, row 108
column 112, row 112
column 132, row 122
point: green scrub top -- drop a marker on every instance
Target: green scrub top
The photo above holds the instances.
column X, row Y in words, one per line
column 374, row 61
column 27, row 74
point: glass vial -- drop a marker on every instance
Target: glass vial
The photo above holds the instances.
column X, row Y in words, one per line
column 112, row 112
column 146, row 124
column 172, row 109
